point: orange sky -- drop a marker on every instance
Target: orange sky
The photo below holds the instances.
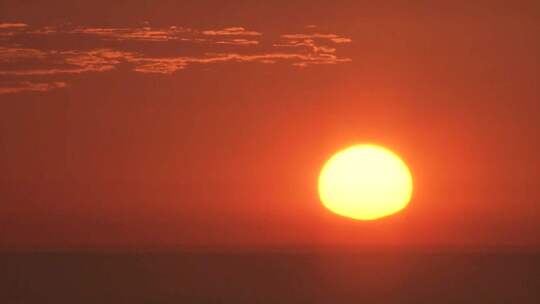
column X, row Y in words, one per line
column 169, row 125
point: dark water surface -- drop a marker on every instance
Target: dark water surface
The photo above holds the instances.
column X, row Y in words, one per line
column 269, row 278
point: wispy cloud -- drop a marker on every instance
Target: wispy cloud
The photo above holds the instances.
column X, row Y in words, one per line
column 332, row 37
column 16, row 54
column 231, row 31
column 8, row 30
column 22, row 63
column 341, row 40
column 39, row 63
column 238, row 42
column 27, row 86
column 142, row 34
column 322, row 47
column 12, row 25
column 307, row 43
column 173, row 64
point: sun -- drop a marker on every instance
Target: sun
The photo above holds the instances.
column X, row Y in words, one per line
column 365, row 182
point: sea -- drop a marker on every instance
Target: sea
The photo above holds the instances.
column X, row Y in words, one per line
column 269, row 277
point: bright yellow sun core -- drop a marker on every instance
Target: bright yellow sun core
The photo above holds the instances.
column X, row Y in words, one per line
column 365, row 182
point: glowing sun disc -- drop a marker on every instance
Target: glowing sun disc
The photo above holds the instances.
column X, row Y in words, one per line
column 365, row 182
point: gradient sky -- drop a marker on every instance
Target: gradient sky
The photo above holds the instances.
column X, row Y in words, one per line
column 155, row 124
